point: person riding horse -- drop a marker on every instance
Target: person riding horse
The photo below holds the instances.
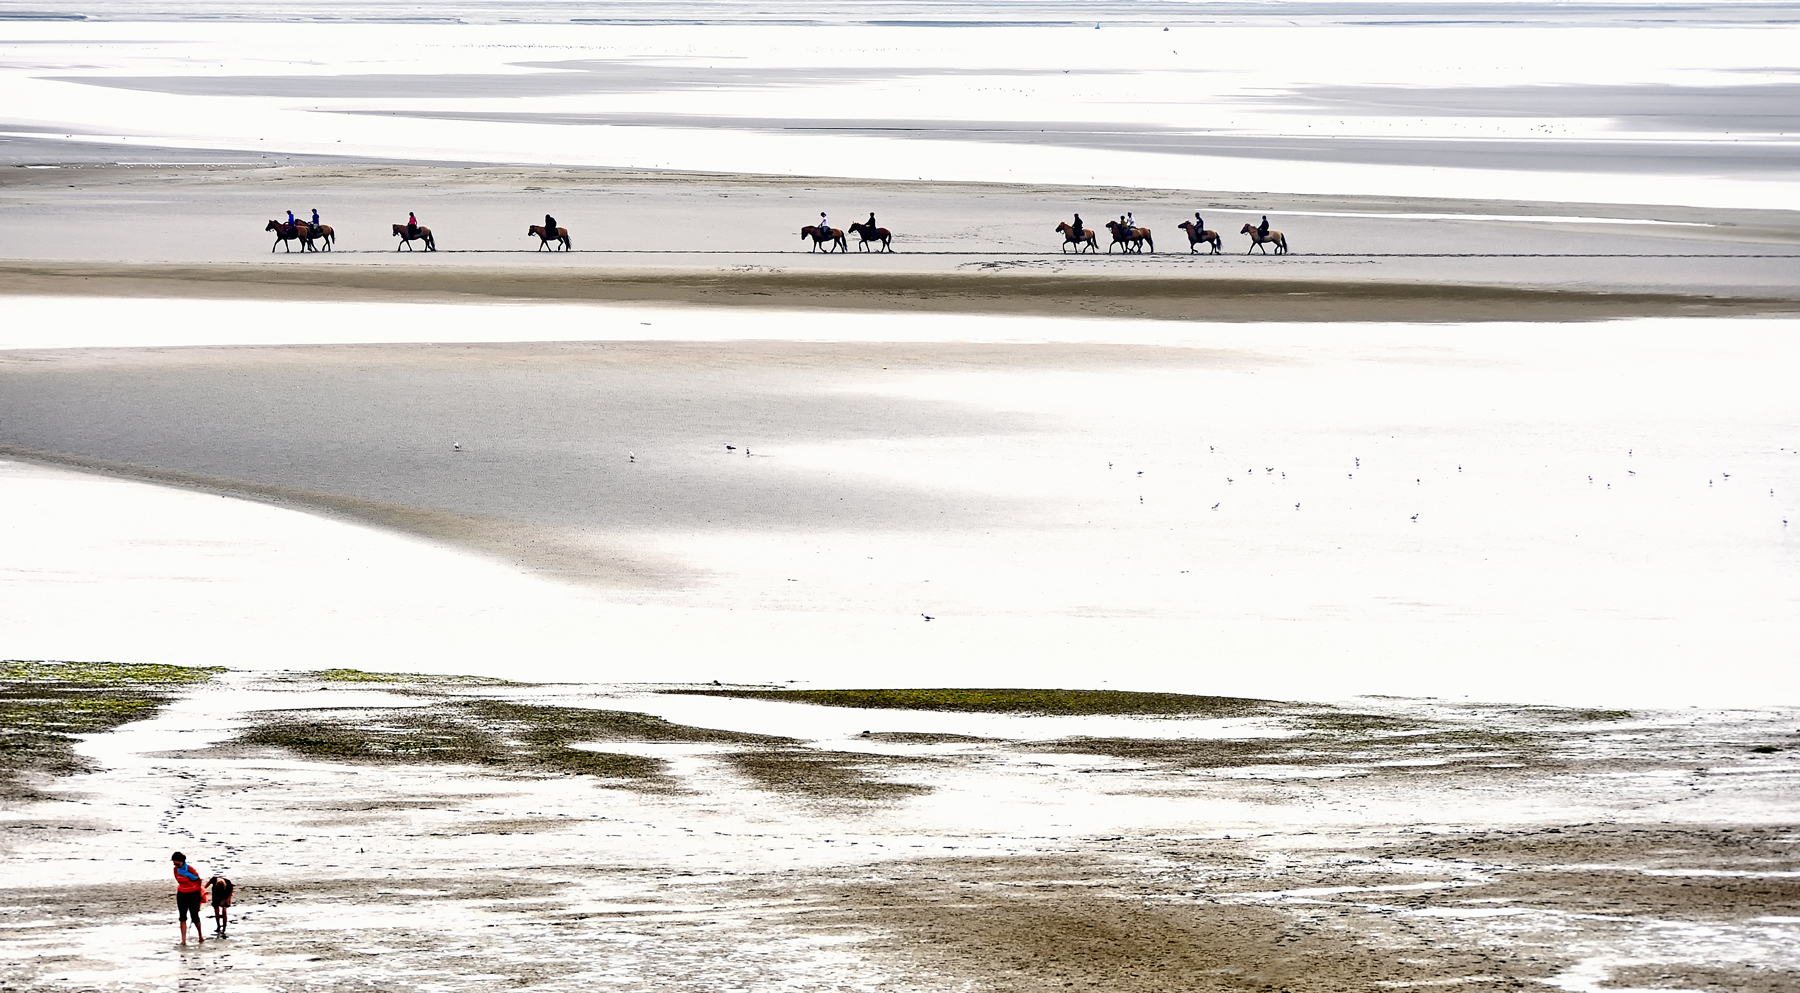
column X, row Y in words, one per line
column 293, row 226
column 1262, row 230
column 412, row 225
column 316, row 226
column 1199, row 222
column 1080, row 232
column 872, row 226
column 549, row 226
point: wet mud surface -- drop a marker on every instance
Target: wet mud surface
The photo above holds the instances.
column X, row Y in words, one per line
column 411, row 830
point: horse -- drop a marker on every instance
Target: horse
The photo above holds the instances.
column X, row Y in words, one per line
column 1257, row 238
column 1087, row 237
column 1133, row 239
column 1197, row 236
column 285, row 232
column 826, row 237
column 561, row 237
column 870, row 233
column 324, row 233
column 406, row 238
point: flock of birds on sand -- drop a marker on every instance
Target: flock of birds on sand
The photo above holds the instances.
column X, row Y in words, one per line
column 1268, row 471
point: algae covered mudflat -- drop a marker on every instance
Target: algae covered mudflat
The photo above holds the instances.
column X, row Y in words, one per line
column 46, row 706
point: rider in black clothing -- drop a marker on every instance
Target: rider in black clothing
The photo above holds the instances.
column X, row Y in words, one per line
column 871, row 222
column 1078, row 227
column 1262, row 230
column 1199, row 223
column 549, row 226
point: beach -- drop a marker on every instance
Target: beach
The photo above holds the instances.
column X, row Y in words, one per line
column 694, row 609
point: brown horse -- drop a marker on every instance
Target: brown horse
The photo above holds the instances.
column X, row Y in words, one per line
column 285, row 232
column 324, row 233
column 1087, row 237
column 1257, row 238
column 561, row 237
column 406, row 238
column 1197, row 236
column 826, row 237
column 1132, row 239
column 868, row 234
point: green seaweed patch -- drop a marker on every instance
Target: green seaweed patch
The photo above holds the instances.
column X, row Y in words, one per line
column 45, row 705
column 548, row 724
column 1009, row 701
column 521, row 737
column 361, row 676
column 824, row 775
column 105, row 673
column 1446, row 747
column 1350, row 722
column 924, row 738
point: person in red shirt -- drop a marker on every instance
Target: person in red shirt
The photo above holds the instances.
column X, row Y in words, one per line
column 188, row 893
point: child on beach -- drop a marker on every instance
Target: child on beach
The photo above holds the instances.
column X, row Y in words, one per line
column 221, row 902
column 188, row 894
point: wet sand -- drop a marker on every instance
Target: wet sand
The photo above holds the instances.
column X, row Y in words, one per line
column 1413, row 843
column 731, row 241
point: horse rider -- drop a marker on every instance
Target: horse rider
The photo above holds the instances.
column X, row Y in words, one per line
column 293, row 226
column 549, row 226
column 824, row 225
column 412, row 225
column 1199, row 224
column 1078, row 231
column 1262, row 230
column 871, row 227
column 315, row 221
column 1130, row 223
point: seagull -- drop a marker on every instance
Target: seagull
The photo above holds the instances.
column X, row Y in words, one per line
column 1227, row 480
column 1415, row 518
column 1296, row 506
column 1140, row 472
column 1727, row 475
column 1215, row 506
column 731, row 448
column 928, row 617
column 746, row 451
column 1631, row 472
column 1358, row 461
column 631, row 456
column 456, row 446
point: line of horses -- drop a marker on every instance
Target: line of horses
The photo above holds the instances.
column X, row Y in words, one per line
column 320, row 237
column 1136, row 239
